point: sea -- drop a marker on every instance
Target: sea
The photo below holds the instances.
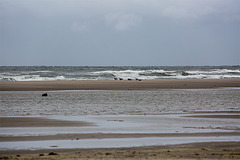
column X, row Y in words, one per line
column 46, row 73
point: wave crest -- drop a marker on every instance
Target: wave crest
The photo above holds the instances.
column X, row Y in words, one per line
column 38, row 73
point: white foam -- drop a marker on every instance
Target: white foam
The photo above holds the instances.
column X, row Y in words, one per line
column 41, row 75
column 214, row 71
column 31, row 78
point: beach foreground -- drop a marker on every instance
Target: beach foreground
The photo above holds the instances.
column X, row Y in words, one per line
column 175, row 136
column 129, row 119
column 117, row 84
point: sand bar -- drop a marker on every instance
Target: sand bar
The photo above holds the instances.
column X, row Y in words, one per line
column 117, row 85
column 111, row 136
column 39, row 122
column 216, row 116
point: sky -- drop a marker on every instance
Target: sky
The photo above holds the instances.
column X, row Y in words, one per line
column 119, row 32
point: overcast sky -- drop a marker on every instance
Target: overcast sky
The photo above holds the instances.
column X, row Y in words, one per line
column 120, row 32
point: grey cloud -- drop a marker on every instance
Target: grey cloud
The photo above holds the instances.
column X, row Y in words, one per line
column 121, row 32
column 123, row 21
column 79, row 26
column 192, row 13
column 190, row 9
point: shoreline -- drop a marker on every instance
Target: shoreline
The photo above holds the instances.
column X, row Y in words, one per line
column 118, row 85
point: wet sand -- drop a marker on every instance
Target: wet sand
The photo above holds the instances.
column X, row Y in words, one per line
column 33, row 122
column 111, row 135
column 217, row 150
column 39, row 122
column 213, row 150
column 215, row 116
column 117, row 84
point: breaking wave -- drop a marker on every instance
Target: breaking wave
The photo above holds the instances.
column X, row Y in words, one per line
column 45, row 73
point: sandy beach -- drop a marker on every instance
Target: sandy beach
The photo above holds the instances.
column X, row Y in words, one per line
column 117, row 84
column 80, row 125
